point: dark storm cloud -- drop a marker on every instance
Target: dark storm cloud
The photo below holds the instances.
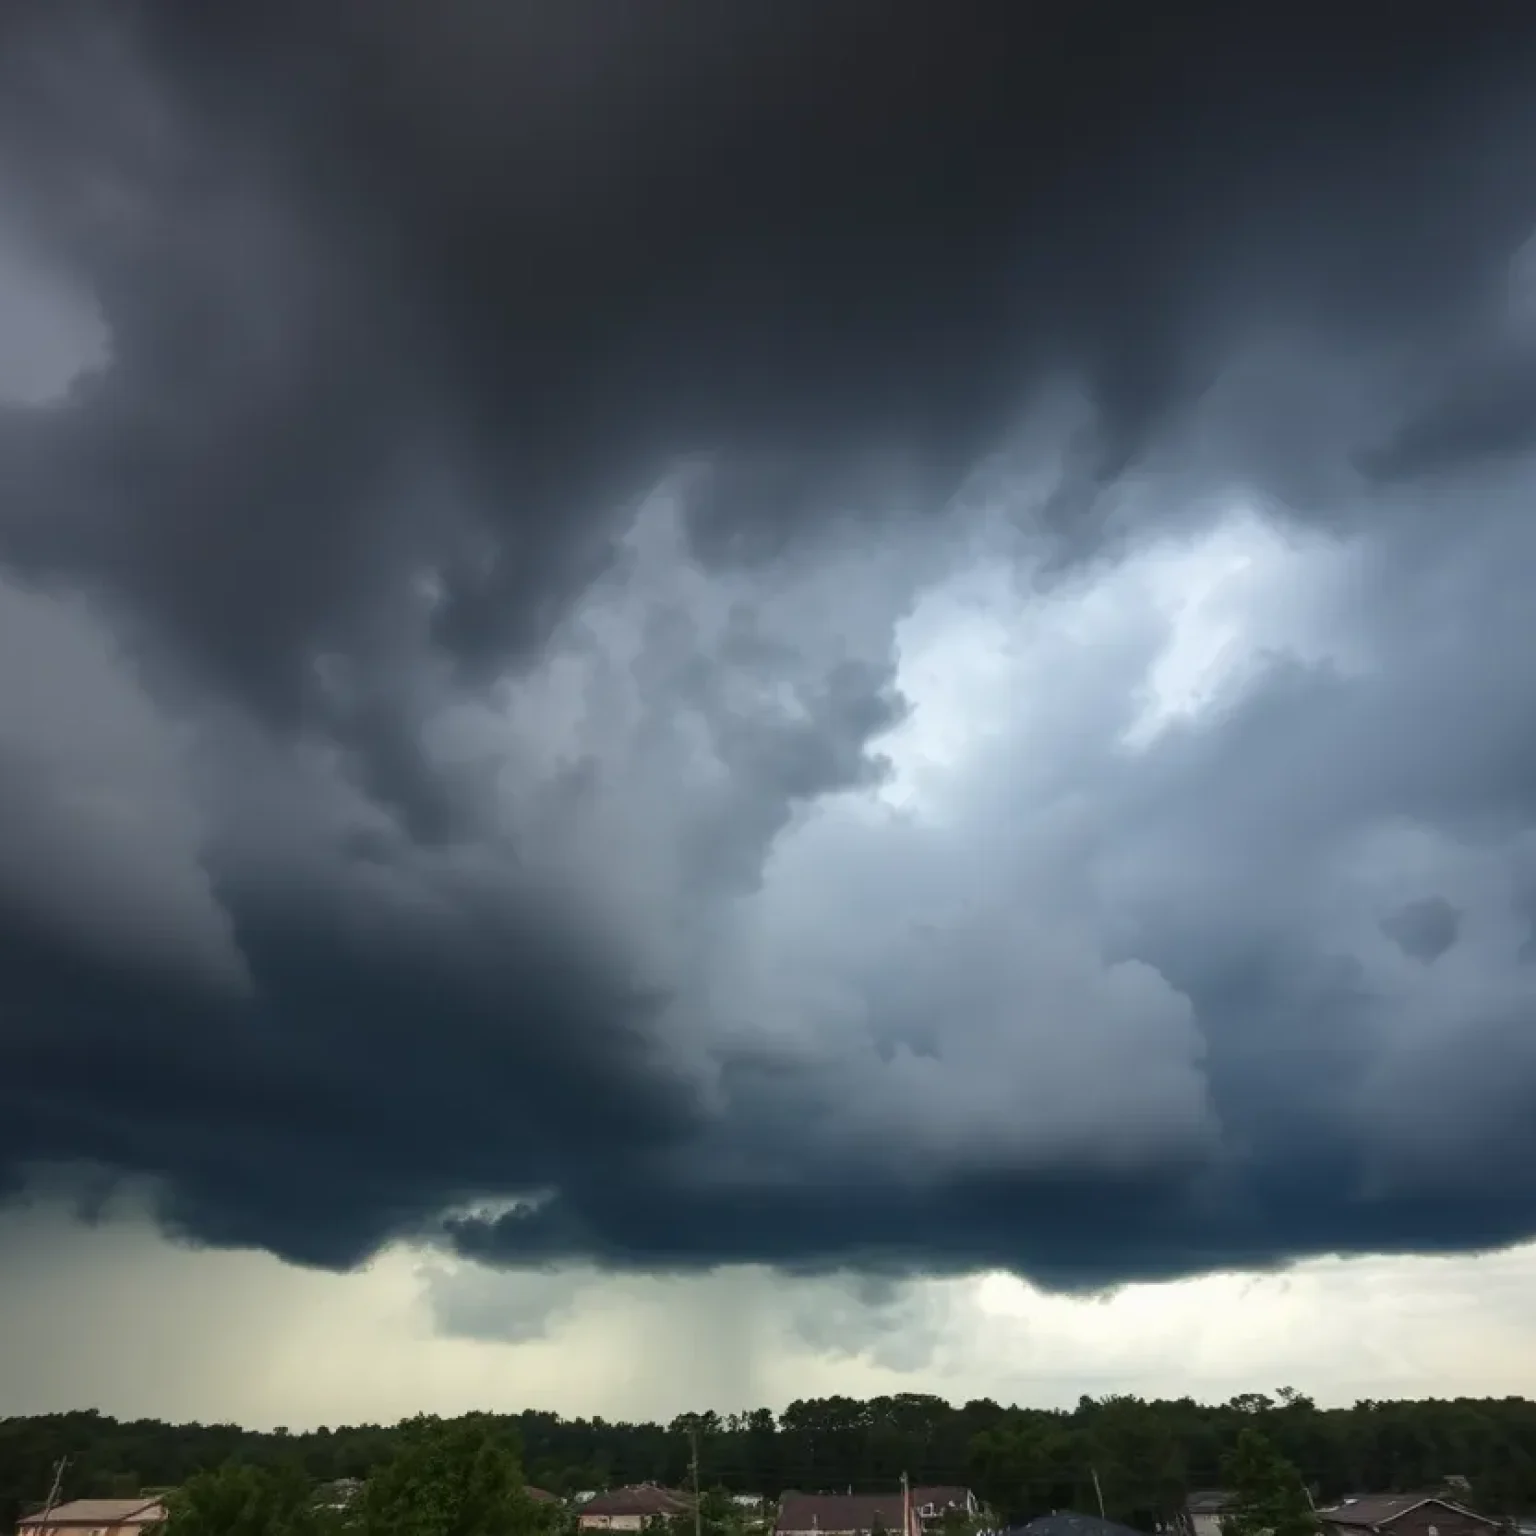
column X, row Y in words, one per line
column 324, row 1118
column 1425, row 928
column 1490, row 413
column 573, row 246
column 402, row 808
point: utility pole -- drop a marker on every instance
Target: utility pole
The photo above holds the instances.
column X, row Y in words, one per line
column 1098, row 1491
column 53, row 1492
column 698, row 1512
column 906, row 1506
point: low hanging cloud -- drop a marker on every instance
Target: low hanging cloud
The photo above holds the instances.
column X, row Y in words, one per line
column 625, row 653
column 1425, row 928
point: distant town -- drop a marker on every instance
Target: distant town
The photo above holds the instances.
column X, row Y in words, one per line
column 905, row 1465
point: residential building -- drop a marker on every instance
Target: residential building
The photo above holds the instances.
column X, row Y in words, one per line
column 847, row 1514
column 541, row 1495
column 339, row 1493
column 95, row 1517
column 935, row 1504
column 1404, row 1514
column 632, row 1509
column 1204, row 1509
column 1069, row 1524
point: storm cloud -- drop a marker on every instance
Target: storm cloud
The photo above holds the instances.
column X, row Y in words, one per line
column 870, row 636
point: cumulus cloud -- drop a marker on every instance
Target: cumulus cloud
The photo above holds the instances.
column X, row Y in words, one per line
column 711, row 669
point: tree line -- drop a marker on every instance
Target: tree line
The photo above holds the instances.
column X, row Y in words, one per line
column 461, row 1477
column 1142, row 1456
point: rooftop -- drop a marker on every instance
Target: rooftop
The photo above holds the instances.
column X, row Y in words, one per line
column 1209, row 1501
column 842, row 1511
column 1382, row 1508
column 941, row 1497
column 1069, row 1524
column 139, row 1511
column 640, row 1499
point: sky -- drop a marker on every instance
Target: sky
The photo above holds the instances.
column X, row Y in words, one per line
column 844, row 688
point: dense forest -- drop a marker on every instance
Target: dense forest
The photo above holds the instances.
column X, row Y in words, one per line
column 1022, row 1461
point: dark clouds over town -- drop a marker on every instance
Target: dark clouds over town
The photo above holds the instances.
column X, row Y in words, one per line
column 874, row 636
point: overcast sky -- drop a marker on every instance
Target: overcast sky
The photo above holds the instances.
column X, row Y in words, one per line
column 856, row 677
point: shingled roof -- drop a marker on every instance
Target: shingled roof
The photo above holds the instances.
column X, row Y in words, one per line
column 639, row 1499
column 1376, row 1509
column 95, row 1512
column 1071, row 1525
column 941, row 1497
column 1209, row 1501
column 839, row 1512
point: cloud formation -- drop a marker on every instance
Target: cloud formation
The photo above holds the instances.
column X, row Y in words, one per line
column 637, row 645
column 224, row 1336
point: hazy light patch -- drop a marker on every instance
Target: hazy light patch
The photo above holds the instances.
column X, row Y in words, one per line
column 53, row 333
column 957, row 652
column 1338, row 1329
column 221, row 1336
column 1240, row 591
column 981, row 650
column 1205, row 590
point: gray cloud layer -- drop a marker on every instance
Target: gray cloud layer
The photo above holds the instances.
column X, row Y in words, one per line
column 611, row 631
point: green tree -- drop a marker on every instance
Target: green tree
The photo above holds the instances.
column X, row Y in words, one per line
column 1269, row 1498
column 717, row 1514
column 460, row 1477
column 242, row 1500
column 1140, row 1463
column 1021, row 1462
column 956, row 1522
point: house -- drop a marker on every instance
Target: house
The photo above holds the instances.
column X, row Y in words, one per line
column 847, row 1514
column 934, row 1504
column 1404, row 1514
column 1069, row 1524
column 340, row 1493
column 1205, row 1509
column 632, row 1509
column 95, row 1517
column 540, row 1495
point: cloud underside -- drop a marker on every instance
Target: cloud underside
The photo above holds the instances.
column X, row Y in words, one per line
column 718, row 706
